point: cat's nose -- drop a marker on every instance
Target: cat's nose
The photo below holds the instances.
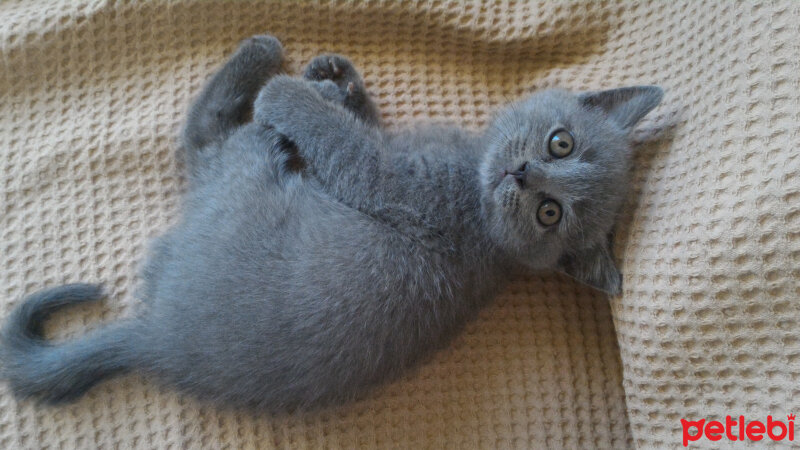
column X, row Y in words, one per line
column 524, row 174
column 519, row 174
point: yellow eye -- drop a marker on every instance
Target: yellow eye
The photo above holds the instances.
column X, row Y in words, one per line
column 561, row 143
column 549, row 212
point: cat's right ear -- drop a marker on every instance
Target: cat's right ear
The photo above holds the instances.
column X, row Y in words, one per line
column 626, row 106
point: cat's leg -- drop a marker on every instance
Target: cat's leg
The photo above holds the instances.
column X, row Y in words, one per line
column 347, row 85
column 342, row 151
column 353, row 161
column 226, row 102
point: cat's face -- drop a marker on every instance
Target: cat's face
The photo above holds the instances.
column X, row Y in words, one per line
column 555, row 177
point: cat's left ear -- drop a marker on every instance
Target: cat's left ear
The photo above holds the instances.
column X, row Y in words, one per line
column 626, row 106
column 594, row 266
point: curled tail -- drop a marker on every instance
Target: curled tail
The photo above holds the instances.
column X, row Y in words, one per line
column 61, row 372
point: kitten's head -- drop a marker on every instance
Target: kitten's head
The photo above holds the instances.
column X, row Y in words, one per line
column 555, row 177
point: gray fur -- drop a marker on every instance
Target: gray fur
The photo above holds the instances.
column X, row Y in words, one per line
column 318, row 254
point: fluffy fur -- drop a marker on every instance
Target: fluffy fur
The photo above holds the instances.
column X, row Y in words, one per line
column 319, row 254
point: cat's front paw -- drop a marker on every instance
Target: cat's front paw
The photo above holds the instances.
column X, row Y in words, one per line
column 330, row 91
column 261, row 55
column 266, row 43
column 331, row 70
column 337, row 69
column 287, row 101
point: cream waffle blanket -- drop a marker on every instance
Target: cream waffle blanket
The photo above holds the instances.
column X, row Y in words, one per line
column 92, row 94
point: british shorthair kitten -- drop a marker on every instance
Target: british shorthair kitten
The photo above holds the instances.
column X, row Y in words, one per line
column 319, row 254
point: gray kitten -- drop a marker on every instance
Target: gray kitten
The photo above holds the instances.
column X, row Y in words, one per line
column 319, row 254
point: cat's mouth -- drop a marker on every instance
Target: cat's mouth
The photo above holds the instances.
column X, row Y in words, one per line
column 497, row 178
column 506, row 178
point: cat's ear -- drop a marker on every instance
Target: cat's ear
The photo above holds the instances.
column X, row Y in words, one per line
column 594, row 266
column 626, row 106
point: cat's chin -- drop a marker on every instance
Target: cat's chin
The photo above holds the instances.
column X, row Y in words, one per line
column 541, row 257
column 521, row 244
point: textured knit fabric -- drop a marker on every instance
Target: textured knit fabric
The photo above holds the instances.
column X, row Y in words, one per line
column 92, row 95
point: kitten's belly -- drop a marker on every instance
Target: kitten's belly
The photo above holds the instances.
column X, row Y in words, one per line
column 300, row 300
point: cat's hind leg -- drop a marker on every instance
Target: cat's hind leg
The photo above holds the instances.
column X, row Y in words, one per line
column 347, row 87
column 226, row 102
